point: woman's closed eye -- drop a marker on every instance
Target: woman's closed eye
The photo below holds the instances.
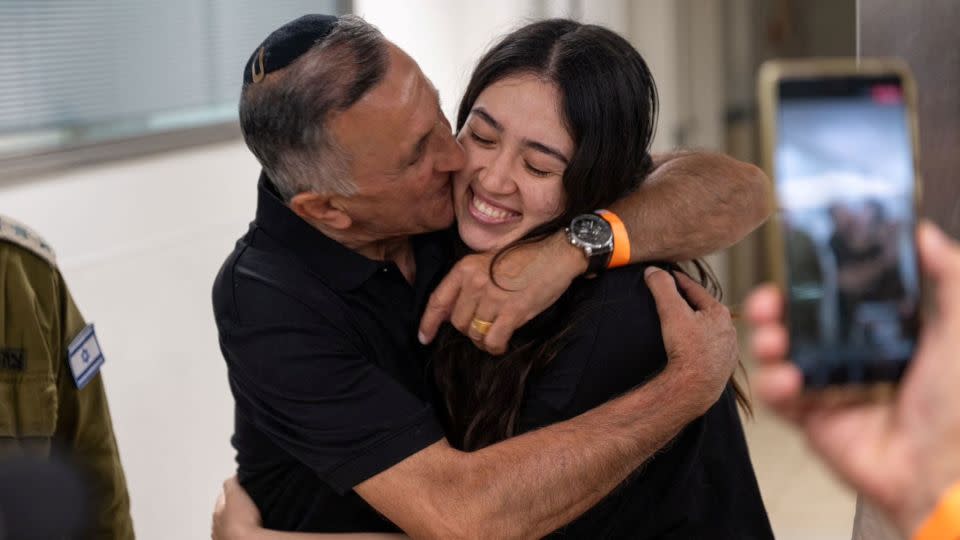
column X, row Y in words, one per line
column 535, row 171
column 482, row 141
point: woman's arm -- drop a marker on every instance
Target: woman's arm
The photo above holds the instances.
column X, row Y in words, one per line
column 236, row 517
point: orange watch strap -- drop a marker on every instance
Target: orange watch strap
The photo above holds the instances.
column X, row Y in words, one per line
column 944, row 522
column 621, row 242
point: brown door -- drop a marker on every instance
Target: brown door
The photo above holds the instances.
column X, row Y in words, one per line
column 924, row 33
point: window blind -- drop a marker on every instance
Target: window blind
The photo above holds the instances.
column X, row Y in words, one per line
column 76, row 72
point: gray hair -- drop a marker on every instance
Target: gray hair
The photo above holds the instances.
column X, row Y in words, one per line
column 284, row 118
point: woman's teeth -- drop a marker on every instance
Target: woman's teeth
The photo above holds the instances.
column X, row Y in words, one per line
column 491, row 212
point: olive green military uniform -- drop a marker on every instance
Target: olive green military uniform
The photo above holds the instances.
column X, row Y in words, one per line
column 40, row 404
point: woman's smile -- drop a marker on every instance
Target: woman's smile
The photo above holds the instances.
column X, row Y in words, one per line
column 517, row 147
column 488, row 212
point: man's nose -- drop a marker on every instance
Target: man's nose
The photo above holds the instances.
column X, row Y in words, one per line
column 452, row 156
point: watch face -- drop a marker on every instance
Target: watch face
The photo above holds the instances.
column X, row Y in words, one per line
column 591, row 230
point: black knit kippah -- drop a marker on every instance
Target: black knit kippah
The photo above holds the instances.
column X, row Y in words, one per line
column 286, row 44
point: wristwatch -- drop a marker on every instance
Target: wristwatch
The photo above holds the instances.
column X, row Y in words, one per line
column 593, row 235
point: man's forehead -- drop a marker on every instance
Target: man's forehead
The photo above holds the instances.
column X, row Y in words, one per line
column 404, row 84
column 405, row 97
column 390, row 119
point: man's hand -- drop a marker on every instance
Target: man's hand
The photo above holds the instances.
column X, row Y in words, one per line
column 692, row 204
column 235, row 516
column 529, row 279
column 904, row 453
column 698, row 334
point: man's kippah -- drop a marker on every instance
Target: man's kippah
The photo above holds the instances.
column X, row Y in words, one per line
column 286, row 44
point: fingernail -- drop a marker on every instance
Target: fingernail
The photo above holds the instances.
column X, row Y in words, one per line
column 935, row 238
column 422, row 338
column 650, row 271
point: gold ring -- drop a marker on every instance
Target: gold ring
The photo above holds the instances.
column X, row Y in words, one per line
column 481, row 326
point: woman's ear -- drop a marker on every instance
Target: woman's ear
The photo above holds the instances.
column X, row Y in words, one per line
column 320, row 210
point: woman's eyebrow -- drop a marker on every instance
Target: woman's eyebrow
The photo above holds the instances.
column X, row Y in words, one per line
column 485, row 116
column 540, row 147
column 481, row 113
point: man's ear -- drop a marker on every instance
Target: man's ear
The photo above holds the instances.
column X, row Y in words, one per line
column 320, row 210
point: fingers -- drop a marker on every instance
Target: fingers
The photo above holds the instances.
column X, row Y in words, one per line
column 770, row 344
column 231, row 485
column 485, row 312
column 933, row 247
column 439, row 306
column 765, row 305
column 498, row 338
column 779, row 387
column 940, row 259
column 221, row 502
column 505, row 321
column 464, row 310
column 670, row 305
column 696, row 295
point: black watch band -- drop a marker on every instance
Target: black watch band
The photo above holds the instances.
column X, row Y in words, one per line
column 598, row 262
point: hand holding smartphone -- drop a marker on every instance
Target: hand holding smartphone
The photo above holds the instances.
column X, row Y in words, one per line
column 840, row 143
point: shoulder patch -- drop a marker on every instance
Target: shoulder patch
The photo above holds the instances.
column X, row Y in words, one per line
column 84, row 356
column 17, row 233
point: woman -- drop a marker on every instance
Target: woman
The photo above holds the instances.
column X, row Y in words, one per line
column 556, row 121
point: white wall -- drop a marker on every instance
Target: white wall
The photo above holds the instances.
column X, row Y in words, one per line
column 681, row 41
column 140, row 242
column 446, row 38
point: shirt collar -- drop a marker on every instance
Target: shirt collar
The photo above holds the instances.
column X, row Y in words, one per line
column 337, row 265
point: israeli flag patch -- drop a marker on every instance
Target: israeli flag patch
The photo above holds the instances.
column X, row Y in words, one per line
column 84, row 356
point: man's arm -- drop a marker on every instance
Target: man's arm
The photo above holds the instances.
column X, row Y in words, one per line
column 692, row 204
column 530, row 485
column 236, row 517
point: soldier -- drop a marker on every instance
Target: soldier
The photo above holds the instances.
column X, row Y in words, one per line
column 51, row 397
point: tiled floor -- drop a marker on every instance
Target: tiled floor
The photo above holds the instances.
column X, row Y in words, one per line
column 803, row 499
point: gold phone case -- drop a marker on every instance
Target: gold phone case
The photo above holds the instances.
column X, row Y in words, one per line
column 769, row 76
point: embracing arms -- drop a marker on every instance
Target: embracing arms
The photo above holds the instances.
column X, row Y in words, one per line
column 530, row 485
column 691, row 205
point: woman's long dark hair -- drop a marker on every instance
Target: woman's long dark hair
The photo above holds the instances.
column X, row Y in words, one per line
column 609, row 108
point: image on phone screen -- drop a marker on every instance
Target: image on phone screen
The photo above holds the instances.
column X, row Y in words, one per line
column 845, row 185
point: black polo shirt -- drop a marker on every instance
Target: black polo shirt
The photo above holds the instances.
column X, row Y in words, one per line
column 321, row 350
column 702, row 484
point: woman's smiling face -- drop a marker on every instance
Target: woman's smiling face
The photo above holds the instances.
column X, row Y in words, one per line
column 517, row 149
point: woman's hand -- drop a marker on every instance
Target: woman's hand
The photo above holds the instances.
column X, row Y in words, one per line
column 235, row 516
column 529, row 279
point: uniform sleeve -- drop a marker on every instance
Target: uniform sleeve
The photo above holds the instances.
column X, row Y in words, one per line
column 313, row 394
column 84, row 426
column 615, row 345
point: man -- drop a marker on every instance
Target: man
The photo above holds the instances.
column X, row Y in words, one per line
column 902, row 455
column 867, row 265
column 51, row 395
column 317, row 307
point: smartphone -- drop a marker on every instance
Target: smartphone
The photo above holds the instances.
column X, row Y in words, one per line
column 840, row 141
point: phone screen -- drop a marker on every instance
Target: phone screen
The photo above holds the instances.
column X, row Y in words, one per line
column 845, row 184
